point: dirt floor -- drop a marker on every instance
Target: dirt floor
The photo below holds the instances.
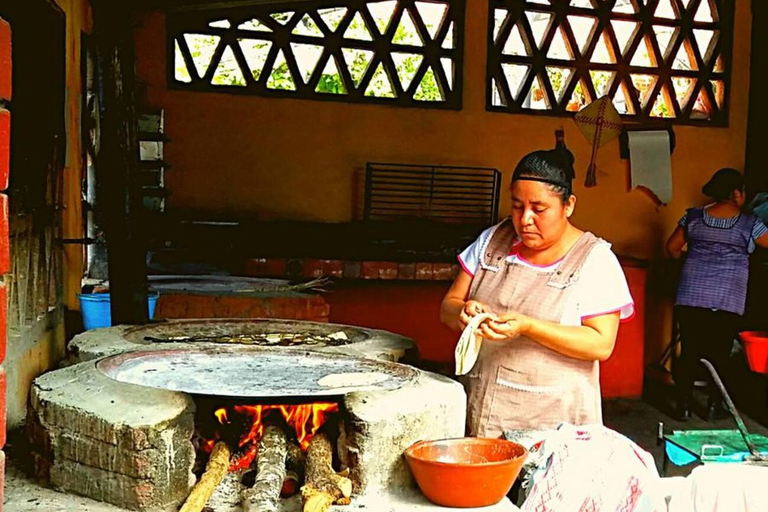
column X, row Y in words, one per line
column 636, row 419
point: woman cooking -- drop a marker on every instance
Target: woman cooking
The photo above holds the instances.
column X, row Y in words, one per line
column 556, row 295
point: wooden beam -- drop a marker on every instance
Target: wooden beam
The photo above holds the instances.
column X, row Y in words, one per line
column 120, row 199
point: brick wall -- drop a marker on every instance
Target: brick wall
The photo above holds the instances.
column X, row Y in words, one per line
column 5, row 144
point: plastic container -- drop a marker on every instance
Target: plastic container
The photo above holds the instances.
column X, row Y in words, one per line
column 465, row 472
column 756, row 346
column 96, row 309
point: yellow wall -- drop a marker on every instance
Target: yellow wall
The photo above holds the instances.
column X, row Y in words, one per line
column 293, row 159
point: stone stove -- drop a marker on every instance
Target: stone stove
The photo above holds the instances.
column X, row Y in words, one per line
column 117, row 424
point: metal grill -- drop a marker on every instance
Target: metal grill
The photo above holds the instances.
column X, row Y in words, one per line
column 465, row 195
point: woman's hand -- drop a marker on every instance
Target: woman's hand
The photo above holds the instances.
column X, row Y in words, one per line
column 471, row 309
column 507, row 326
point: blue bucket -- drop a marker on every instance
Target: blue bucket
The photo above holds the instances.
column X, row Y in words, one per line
column 96, row 309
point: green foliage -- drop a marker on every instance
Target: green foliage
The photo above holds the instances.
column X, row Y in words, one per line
column 202, row 48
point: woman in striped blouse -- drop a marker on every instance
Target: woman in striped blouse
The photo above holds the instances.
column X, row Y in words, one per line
column 712, row 291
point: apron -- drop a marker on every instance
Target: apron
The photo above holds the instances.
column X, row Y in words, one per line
column 518, row 383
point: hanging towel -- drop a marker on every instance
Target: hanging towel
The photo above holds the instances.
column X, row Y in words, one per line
column 651, row 163
column 469, row 344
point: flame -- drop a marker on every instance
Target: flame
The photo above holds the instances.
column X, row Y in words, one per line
column 221, row 415
column 305, row 419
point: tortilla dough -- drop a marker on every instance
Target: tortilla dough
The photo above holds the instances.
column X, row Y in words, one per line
column 345, row 380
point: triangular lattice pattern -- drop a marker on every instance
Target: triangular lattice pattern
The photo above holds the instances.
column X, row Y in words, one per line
column 558, row 56
column 405, row 52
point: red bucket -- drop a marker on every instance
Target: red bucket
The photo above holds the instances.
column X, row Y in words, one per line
column 756, row 346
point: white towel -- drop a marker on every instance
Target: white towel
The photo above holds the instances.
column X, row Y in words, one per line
column 469, row 344
column 651, row 164
column 722, row 488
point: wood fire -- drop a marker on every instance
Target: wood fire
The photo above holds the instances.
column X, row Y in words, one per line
column 286, row 445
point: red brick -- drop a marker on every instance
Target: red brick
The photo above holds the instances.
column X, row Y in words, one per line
column 5, row 62
column 256, row 267
column 442, row 272
column 406, row 270
column 370, row 269
column 5, row 251
column 2, row 406
column 388, row 270
column 5, row 147
column 424, row 271
column 333, row 268
column 3, row 320
column 276, row 267
column 312, row 268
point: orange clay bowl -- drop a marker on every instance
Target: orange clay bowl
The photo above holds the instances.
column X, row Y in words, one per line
column 466, row 472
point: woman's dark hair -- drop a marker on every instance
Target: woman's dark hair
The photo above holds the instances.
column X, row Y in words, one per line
column 554, row 167
column 722, row 184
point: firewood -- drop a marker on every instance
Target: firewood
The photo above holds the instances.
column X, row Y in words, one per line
column 215, row 471
column 290, row 484
column 296, row 459
column 323, row 487
column 264, row 496
column 226, row 497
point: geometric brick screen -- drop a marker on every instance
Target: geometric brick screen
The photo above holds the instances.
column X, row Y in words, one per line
column 394, row 52
column 654, row 58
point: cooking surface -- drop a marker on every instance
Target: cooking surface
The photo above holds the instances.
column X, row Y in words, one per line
column 254, row 373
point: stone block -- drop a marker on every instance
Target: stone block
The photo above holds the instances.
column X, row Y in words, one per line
column 382, row 424
column 123, row 491
column 5, row 148
column 126, row 445
column 6, row 68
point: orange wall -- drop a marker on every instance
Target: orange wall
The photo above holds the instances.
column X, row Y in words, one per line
column 293, row 159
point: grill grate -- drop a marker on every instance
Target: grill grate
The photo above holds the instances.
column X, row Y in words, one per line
column 465, row 195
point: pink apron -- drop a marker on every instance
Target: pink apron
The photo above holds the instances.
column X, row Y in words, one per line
column 518, row 383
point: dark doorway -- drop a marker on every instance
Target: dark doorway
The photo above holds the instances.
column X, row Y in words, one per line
column 38, row 153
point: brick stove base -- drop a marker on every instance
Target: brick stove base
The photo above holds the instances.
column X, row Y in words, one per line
column 131, row 445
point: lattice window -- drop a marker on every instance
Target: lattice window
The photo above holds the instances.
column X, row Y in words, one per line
column 654, row 58
column 402, row 52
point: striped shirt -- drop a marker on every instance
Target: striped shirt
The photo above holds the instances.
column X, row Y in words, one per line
column 758, row 230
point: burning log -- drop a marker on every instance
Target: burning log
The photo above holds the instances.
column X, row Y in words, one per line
column 218, row 466
column 226, row 497
column 324, row 487
column 264, row 496
column 294, row 464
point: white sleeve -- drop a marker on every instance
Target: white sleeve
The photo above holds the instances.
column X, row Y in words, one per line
column 602, row 287
column 470, row 257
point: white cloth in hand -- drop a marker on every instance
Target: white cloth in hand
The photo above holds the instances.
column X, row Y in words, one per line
column 469, row 344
